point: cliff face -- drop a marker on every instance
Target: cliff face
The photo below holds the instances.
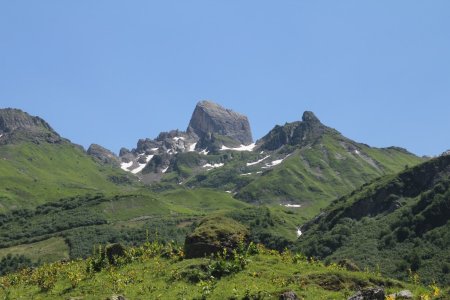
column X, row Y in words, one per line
column 211, row 127
column 103, row 155
column 212, row 119
column 13, row 119
column 17, row 125
column 297, row 133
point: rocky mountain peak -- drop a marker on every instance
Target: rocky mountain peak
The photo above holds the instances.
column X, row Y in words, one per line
column 210, row 118
column 301, row 133
column 310, row 117
column 12, row 119
column 103, row 155
column 17, row 124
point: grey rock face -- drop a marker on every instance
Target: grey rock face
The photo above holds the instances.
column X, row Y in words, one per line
column 210, row 118
column 124, row 151
column 18, row 125
column 12, row 119
column 290, row 295
column 369, row 294
column 211, row 127
column 157, row 154
column 403, row 295
column 297, row 133
column 103, row 155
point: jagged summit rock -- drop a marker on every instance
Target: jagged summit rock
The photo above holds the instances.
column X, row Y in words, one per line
column 12, row 119
column 296, row 133
column 16, row 124
column 310, row 117
column 212, row 128
column 210, row 119
column 103, row 155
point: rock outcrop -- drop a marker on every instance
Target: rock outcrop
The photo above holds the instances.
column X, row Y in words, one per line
column 214, row 234
column 103, row 155
column 16, row 125
column 369, row 294
column 289, row 295
column 402, row 295
column 296, row 133
column 154, row 155
column 211, row 119
column 210, row 128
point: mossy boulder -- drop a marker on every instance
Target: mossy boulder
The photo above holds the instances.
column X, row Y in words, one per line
column 214, row 234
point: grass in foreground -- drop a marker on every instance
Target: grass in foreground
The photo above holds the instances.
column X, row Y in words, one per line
column 156, row 271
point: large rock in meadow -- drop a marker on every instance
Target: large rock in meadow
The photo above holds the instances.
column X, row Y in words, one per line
column 214, row 234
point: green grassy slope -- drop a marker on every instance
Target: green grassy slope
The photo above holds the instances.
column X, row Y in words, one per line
column 84, row 221
column 398, row 222
column 34, row 173
column 324, row 170
column 311, row 175
column 154, row 271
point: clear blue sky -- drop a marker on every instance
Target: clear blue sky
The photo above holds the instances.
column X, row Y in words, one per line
column 112, row 72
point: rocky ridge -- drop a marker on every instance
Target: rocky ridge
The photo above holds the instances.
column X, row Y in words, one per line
column 295, row 133
column 212, row 128
column 210, row 119
column 103, row 155
column 17, row 125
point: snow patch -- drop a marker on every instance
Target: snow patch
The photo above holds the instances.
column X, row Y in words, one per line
column 171, row 151
column 177, row 138
column 274, row 163
column 165, row 170
column 229, row 192
column 292, row 205
column 124, row 166
column 154, row 149
column 210, row 166
column 246, row 174
column 204, row 152
column 257, row 162
column 240, row 148
column 138, row 169
column 192, row 147
column 1, row 135
column 299, row 232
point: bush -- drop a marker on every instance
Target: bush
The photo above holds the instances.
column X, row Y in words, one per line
column 12, row 263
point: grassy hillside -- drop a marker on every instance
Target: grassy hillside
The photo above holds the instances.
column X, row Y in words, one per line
column 312, row 174
column 35, row 173
column 155, row 271
column 72, row 226
column 398, row 223
column 324, row 170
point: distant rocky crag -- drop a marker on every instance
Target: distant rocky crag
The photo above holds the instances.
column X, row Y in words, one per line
column 211, row 119
column 210, row 128
column 16, row 125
